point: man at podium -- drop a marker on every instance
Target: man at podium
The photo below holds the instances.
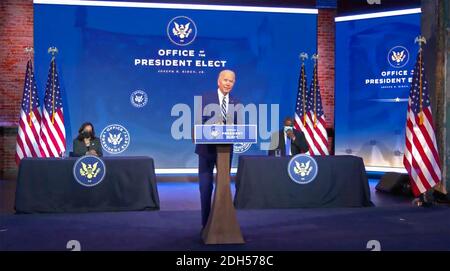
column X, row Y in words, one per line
column 207, row 154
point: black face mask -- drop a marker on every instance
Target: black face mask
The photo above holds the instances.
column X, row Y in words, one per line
column 85, row 134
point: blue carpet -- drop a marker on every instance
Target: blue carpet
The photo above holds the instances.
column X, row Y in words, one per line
column 396, row 228
column 395, row 223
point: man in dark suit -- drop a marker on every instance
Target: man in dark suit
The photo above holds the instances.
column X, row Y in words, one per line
column 222, row 101
column 296, row 140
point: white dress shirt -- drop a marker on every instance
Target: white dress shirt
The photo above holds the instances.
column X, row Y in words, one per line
column 227, row 100
column 285, row 142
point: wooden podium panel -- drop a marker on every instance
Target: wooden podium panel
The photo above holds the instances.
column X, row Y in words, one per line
column 222, row 226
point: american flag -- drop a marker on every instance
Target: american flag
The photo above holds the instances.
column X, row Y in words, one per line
column 27, row 143
column 301, row 103
column 304, row 119
column 421, row 158
column 301, row 108
column 53, row 133
column 316, row 124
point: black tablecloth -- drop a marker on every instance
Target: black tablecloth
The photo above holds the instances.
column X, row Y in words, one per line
column 48, row 185
column 263, row 182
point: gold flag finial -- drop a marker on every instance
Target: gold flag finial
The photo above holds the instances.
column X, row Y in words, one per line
column 303, row 56
column 29, row 50
column 53, row 51
column 420, row 40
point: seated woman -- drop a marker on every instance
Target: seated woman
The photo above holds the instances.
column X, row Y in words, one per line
column 86, row 142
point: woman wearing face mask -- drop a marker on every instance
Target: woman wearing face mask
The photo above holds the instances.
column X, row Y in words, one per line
column 86, row 142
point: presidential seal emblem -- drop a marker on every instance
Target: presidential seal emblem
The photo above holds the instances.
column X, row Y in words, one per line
column 138, row 98
column 115, row 138
column 302, row 169
column 241, row 147
column 181, row 30
column 398, row 56
column 89, row 170
column 214, row 132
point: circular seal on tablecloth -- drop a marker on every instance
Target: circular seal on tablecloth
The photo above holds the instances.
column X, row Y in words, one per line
column 89, row 170
column 302, row 168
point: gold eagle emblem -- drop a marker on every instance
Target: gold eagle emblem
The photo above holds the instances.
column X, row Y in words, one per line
column 302, row 169
column 89, row 171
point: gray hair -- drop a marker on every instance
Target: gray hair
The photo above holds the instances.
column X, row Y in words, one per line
column 226, row 71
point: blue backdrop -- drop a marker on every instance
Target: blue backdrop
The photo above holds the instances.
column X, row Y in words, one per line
column 374, row 62
column 108, row 53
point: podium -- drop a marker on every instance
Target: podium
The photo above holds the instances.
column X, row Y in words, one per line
column 222, row 226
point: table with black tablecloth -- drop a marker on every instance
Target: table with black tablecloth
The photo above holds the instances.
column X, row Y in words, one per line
column 263, row 182
column 48, row 185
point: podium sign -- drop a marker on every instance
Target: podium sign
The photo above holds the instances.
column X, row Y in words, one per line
column 222, row 226
column 225, row 134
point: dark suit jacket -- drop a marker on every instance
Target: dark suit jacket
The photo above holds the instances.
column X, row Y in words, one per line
column 298, row 146
column 80, row 149
column 209, row 150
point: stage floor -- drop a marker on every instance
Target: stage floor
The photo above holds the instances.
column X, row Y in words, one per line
column 395, row 223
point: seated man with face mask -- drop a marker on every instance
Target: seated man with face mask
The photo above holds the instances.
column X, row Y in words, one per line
column 289, row 141
column 86, row 142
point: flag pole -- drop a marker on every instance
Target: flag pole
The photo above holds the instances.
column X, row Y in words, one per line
column 315, row 57
column 53, row 51
column 303, row 56
column 29, row 51
column 420, row 40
